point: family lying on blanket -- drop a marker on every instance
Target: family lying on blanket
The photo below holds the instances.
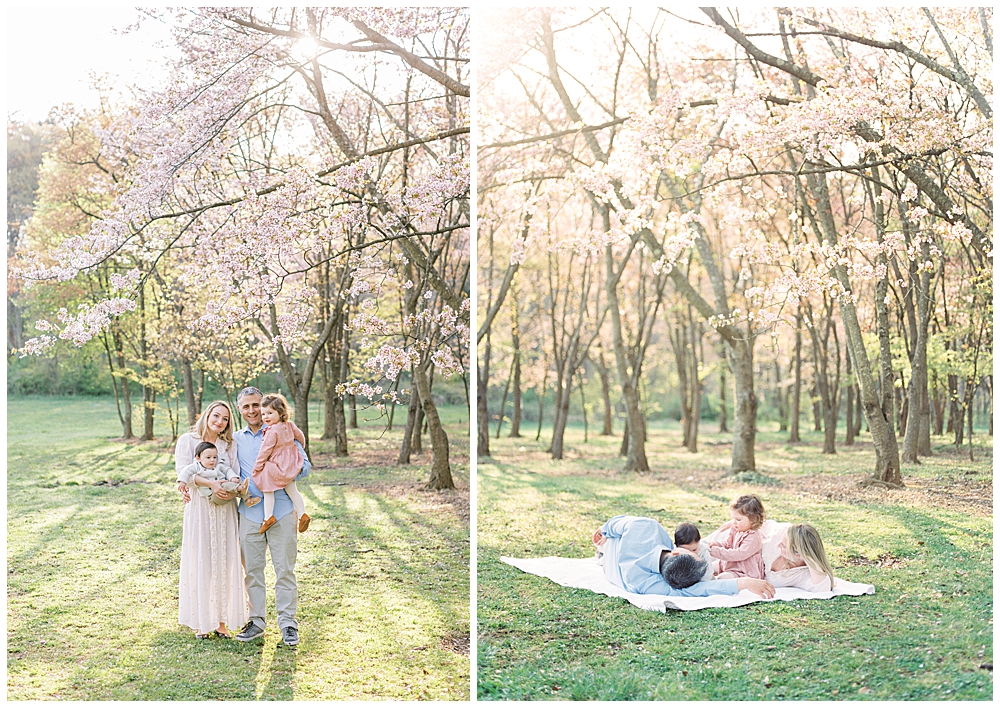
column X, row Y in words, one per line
column 638, row 556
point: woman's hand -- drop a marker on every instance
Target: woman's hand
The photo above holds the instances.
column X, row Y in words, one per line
column 185, row 492
column 217, row 489
column 756, row 586
column 599, row 538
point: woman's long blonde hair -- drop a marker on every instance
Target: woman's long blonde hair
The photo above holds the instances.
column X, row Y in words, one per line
column 804, row 541
column 200, row 426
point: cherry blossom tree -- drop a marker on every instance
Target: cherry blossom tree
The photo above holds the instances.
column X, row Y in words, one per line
column 791, row 171
column 298, row 163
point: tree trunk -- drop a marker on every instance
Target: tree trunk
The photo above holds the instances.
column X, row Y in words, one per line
column 329, row 394
column 988, row 379
column 515, row 414
column 189, row 392
column 562, row 415
column 939, row 408
column 411, row 419
column 636, row 458
column 417, row 440
column 815, row 397
column 339, row 364
column 782, row 408
column 902, row 406
column 482, row 405
column 857, row 407
column 849, row 401
column 723, row 366
column 678, row 342
column 148, row 393
column 959, row 417
column 440, row 466
column 887, row 470
column 15, row 321
column 352, row 404
column 954, row 414
column 826, row 390
column 745, row 434
column 201, row 389
column 301, row 402
column 793, row 434
column 114, row 377
column 915, row 395
column 695, row 409
column 503, row 399
column 540, row 394
column 583, row 405
column 126, row 393
column 602, row 371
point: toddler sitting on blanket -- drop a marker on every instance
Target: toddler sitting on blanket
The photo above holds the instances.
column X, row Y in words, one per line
column 739, row 555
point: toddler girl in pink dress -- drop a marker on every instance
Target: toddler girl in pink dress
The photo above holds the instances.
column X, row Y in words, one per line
column 279, row 461
column 739, row 554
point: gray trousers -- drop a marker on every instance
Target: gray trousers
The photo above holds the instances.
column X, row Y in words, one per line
column 282, row 540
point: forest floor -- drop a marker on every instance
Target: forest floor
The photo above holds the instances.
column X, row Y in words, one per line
column 926, row 633
column 93, row 549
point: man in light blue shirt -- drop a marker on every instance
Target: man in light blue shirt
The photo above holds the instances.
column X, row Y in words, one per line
column 281, row 538
column 634, row 548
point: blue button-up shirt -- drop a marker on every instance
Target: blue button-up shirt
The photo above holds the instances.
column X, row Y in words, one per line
column 632, row 559
column 247, row 448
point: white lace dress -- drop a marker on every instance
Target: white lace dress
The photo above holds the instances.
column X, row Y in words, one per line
column 211, row 575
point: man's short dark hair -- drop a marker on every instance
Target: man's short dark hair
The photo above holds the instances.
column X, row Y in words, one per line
column 686, row 533
column 683, row 570
column 202, row 447
column 248, row 391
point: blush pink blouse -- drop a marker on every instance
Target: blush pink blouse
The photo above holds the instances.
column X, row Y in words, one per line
column 741, row 554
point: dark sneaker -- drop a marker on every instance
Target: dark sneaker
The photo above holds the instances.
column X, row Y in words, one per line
column 249, row 632
column 290, row 636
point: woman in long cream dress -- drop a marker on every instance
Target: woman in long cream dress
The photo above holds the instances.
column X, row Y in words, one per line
column 212, row 597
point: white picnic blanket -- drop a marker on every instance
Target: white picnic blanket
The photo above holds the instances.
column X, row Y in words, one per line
column 587, row 573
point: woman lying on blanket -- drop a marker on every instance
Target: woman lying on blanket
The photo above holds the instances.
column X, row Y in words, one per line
column 800, row 561
column 636, row 551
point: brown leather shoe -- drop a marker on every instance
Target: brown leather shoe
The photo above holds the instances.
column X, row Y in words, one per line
column 304, row 522
column 271, row 521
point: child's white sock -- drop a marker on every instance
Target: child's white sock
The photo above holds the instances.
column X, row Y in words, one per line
column 268, row 505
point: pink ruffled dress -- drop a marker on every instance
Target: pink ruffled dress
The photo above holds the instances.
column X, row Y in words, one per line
column 278, row 461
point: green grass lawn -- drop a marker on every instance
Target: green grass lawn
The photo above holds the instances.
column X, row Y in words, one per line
column 928, row 550
column 93, row 550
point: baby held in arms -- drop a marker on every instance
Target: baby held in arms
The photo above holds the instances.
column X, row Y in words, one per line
column 738, row 555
